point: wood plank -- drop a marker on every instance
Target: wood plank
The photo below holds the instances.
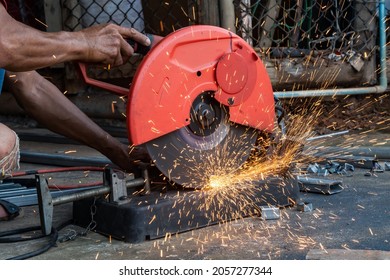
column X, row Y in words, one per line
column 342, row 254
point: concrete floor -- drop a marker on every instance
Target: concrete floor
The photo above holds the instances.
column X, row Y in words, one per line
column 357, row 218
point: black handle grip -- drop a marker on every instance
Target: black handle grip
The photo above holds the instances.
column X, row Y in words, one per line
column 139, row 48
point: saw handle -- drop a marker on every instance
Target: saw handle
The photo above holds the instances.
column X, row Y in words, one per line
column 118, row 90
column 139, row 48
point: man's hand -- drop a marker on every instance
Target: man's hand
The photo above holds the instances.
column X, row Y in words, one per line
column 107, row 43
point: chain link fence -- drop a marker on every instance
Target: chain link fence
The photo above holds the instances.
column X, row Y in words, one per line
column 29, row 12
column 155, row 17
column 315, row 43
column 312, row 25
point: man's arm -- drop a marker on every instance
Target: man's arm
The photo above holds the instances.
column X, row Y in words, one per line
column 51, row 108
column 23, row 48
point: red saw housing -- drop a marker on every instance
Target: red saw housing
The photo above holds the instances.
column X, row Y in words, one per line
column 192, row 61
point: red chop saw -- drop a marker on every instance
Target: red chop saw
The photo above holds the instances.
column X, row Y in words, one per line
column 197, row 102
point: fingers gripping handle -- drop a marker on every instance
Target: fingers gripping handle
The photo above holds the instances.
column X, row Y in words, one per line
column 139, row 48
column 122, row 91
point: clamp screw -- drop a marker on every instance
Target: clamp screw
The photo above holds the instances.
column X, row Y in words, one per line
column 230, row 101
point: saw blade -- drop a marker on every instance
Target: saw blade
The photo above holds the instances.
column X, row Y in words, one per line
column 207, row 147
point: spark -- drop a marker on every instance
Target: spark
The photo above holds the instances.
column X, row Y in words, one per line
column 161, row 26
column 184, row 12
column 44, row 24
column 113, row 103
column 153, row 218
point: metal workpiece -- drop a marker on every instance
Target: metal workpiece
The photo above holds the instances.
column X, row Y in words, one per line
column 323, row 172
column 313, row 168
column 349, row 167
column 330, row 167
column 270, row 212
column 319, row 185
column 329, row 135
column 333, row 167
column 304, row 206
column 376, row 167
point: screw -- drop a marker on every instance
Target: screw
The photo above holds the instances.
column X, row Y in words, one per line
column 230, row 101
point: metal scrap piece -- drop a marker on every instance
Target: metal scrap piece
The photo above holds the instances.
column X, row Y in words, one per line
column 318, row 185
column 349, row 167
column 313, row 168
column 376, row 167
column 305, row 206
column 323, row 172
column 270, row 212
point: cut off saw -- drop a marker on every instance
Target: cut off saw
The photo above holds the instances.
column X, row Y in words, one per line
column 198, row 101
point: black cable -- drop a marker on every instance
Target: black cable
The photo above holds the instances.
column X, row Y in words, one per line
column 52, row 243
column 4, row 239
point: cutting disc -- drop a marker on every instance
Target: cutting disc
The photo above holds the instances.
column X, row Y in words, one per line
column 209, row 145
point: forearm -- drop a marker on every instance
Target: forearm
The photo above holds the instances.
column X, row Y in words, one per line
column 23, row 48
column 45, row 103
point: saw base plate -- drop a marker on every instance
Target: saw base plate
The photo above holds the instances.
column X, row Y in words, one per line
column 160, row 214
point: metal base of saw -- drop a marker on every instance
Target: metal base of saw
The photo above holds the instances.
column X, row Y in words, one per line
column 158, row 214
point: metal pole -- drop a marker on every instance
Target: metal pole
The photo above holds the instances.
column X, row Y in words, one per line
column 81, row 195
column 228, row 17
column 95, row 192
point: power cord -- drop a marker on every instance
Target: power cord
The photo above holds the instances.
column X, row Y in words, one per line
column 7, row 237
column 52, row 241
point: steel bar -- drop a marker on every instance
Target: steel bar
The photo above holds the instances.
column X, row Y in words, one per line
column 93, row 192
column 316, row 185
column 62, row 160
column 28, row 199
column 328, row 135
column 80, row 195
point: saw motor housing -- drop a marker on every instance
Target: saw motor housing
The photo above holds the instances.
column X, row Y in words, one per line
column 188, row 63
